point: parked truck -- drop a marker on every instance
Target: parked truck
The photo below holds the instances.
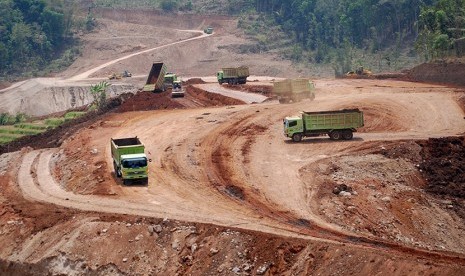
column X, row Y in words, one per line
column 156, row 80
column 339, row 124
column 129, row 159
column 236, row 75
column 294, row 90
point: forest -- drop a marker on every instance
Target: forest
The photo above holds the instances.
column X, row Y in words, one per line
column 32, row 34
column 36, row 36
column 326, row 31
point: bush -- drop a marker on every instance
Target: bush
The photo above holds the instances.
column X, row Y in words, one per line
column 168, row 5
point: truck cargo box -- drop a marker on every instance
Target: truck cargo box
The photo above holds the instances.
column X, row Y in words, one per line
column 341, row 119
column 156, row 78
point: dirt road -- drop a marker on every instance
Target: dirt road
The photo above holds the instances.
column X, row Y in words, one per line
column 231, row 166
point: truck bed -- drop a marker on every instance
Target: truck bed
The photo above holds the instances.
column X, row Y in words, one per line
column 327, row 120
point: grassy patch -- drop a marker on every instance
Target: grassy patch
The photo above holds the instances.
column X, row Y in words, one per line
column 32, row 126
column 54, row 122
column 73, row 115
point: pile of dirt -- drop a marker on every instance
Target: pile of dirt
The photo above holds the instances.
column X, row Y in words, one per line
column 211, row 99
column 194, row 81
column 149, row 101
column 447, row 72
column 444, row 166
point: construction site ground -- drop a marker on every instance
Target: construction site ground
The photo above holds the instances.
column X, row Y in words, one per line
column 228, row 194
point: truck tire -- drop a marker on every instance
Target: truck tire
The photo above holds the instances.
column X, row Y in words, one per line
column 118, row 172
column 335, row 135
column 347, row 134
column 297, row 137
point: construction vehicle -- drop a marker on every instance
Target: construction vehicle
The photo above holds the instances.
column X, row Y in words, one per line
column 359, row 72
column 339, row 124
column 114, row 76
column 232, row 76
column 294, row 90
column 156, row 79
column 129, row 159
column 178, row 90
column 208, row 30
column 170, row 79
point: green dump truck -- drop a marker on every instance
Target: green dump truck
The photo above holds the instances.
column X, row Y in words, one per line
column 294, row 90
column 338, row 124
column 156, row 79
column 237, row 75
column 129, row 160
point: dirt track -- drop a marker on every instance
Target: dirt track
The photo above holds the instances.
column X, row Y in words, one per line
column 229, row 167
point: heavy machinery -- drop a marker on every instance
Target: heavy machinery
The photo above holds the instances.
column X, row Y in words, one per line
column 156, row 79
column 129, row 159
column 114, row 76
column 294, row 90
column 359, row 72
column 233, row 75
column 178, row 90
column 170, row 79
column 339, row 124
column 208, row 30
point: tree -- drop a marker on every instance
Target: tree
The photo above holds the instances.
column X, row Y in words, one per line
column 98, row 92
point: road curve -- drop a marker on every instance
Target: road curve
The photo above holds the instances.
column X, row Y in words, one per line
column 225, row 168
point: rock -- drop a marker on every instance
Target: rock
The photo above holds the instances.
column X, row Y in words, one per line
column 213, row 251
column 262, row 269
column 236, row 270
column 193, row 248
column 246, row 267
column 125, row 260
column 104, row 230
column 175, row 245
column 157, row 228
column 128, row 225
column 94, row 151
column 386, row 199
column 344, row 193
column 139, row 237
column 151, row 230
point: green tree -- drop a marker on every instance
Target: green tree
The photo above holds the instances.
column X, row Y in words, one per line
column 98, row 92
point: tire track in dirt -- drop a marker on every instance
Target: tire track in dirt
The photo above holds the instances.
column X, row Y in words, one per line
column 218, row 150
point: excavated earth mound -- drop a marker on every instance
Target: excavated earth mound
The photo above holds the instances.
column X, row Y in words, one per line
column 447, row 72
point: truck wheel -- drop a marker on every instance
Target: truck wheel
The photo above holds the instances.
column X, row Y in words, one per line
column 118, row 172
column 335, row 135
column 220, row 82
column 297, row 137
column 347, row 134
column 125, row 182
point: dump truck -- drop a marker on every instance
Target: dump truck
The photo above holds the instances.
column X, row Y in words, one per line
column 294, row 90
column 237, row 75
column 339, row 124
column 208, row 30
column 170, row 79
column 156, row 80
column 178, row 90
column 129, row 160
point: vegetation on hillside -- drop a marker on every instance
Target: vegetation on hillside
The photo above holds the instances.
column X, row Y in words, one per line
column 35, row 36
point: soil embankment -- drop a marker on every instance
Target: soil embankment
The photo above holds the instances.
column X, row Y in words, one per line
column 446, row 72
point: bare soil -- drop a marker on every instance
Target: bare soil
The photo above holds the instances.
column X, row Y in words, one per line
column 227, row 193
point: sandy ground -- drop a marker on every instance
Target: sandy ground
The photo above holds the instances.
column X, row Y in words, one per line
column 227, row 193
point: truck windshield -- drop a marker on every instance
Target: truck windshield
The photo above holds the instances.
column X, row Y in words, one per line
column 135, row 163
